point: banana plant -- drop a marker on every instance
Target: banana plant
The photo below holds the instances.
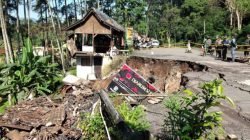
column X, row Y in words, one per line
column 29, row 76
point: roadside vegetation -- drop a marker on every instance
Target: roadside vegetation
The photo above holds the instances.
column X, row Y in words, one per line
column 28, row 77
column 93, row 128
column 191, row 115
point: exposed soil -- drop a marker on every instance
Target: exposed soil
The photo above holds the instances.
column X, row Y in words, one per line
column 165, row 74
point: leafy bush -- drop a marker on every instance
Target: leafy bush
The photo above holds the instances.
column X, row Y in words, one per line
column 134, row 117
column 29, row 76
column 189, row 117
column 92, row 127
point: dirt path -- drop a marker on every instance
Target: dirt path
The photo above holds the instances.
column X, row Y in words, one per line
column 236, row 83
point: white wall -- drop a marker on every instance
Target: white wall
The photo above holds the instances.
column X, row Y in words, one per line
column 84, row 72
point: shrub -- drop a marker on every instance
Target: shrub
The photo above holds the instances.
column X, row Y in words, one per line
column 92, row 127
column 134, row 117
column 29, row 76
column 189, row 117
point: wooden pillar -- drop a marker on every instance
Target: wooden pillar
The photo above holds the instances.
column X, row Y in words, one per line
column 83, row 38
column 93, row 42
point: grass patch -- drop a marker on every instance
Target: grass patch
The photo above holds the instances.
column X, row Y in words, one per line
column 72, row 71
column 92, row 127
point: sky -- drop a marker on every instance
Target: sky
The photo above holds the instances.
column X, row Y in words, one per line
column 33, row 14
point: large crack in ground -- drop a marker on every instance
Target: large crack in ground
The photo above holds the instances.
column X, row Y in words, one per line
column 172, row 75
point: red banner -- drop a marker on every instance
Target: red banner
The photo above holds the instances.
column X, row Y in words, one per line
column 127, row 81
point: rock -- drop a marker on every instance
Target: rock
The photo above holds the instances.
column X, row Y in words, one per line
column 72, row 80
column 76, row 92
column 232, row 137
column 48, row 124
column 33, row 132
column 154, row 101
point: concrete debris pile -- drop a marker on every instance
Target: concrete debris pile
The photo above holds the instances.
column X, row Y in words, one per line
column 49, row 118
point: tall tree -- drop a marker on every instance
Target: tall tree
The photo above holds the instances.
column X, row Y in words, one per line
column 24, row 12
column 28, row 8
column 239, row 8
column 66, row 12
column 8, row 49
column 130, row 12
column 57, row 40
column 18, row 26
column 75, row 10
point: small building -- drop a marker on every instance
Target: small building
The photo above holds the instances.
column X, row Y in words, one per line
column 93, row 37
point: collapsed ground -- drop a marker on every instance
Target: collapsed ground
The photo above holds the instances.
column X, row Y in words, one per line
column 45, row 118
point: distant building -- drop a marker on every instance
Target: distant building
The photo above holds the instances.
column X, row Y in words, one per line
column 91, row 41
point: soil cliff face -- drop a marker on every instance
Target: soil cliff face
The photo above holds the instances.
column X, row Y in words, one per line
column 166, row 75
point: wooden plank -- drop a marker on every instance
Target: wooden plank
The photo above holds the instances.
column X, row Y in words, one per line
column 26, row 128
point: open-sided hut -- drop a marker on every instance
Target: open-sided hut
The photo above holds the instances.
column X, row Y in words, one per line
column 93, row 38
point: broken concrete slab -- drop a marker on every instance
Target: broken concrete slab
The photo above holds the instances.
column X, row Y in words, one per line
column 72, row 80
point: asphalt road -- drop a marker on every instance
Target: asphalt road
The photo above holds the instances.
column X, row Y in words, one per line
column 236, row 82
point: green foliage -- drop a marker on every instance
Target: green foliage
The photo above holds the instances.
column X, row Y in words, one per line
column 3, row 106
column 189, row 117
column 92, row 127
column 134, row 117
column 72, row 71
column 131, row 13
column 29, row 75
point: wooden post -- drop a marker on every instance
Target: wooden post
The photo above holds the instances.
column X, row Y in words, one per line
column 109, row 108
column 127, row 132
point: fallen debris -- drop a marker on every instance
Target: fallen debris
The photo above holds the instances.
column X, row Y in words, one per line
column 55, row 118
column 232, row 137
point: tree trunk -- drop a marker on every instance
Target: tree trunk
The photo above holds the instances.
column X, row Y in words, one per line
column 231, row 19
column 57, row 40
column 86, row 6
column 24, row 12
column 98, row 4
column 18, row 27
column 66, row 12
column 239, row 20
column 168, row 39
column 8, row 52
column 75, row 10
column 46, row 29
column 57, row 17
column 28, row 8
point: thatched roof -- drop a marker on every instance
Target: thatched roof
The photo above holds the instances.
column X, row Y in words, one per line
column 102, row 17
